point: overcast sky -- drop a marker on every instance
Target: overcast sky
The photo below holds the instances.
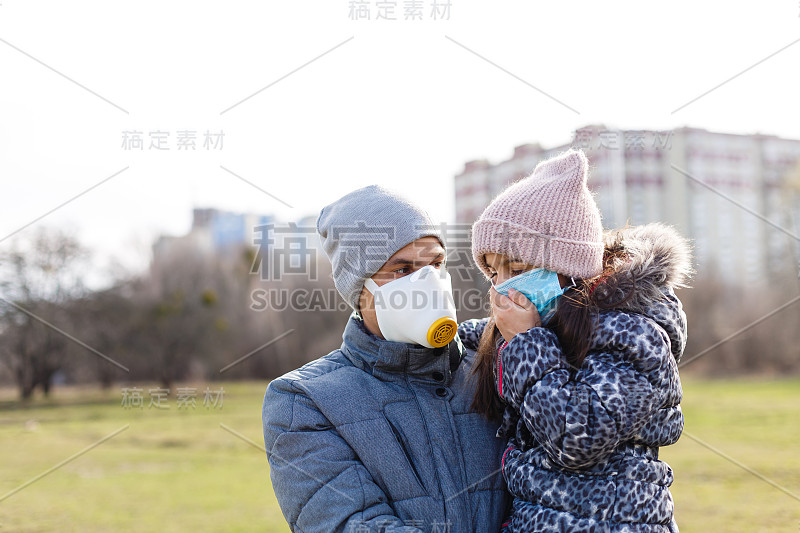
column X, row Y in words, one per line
column 314, row 104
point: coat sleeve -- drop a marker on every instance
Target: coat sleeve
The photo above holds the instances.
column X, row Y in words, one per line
column 319, row 483
column 470, row 332
column 581, row 415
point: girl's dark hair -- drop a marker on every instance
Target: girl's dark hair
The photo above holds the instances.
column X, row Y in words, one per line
column 573, row 324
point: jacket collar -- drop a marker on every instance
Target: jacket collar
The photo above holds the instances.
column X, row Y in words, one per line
column 388, row 360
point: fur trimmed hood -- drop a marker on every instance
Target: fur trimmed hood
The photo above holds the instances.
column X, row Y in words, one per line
column 650, row 261
column 650, row 258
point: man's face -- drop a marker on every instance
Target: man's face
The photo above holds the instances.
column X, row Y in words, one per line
column 407, row 260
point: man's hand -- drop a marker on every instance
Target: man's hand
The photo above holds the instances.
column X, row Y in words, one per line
column 513, row 313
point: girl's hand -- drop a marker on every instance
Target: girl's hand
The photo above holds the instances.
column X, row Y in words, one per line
column 513, row 313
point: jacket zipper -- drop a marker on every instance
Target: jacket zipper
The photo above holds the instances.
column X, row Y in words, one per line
column 500, row 370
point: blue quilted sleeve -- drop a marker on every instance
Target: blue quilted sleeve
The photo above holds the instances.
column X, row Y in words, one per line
column 318, row 480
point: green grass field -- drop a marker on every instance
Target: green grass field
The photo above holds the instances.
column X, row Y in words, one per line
column 180, row 470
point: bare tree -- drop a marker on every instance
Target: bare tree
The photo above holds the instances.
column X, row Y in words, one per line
column 107, row 321
column 178, row 319
column 39, row 276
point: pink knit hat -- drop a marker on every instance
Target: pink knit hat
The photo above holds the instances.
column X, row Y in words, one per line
column 548, row 219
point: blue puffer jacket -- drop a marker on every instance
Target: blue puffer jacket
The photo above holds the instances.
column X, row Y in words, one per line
column 583, row 443
column 378, row 436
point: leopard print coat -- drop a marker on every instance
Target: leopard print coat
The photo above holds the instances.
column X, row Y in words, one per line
column 583, row 443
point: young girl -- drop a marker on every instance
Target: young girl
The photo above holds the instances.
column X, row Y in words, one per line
column 579, row 359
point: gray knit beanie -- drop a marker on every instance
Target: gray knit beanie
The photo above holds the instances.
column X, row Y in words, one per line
column 363, row 229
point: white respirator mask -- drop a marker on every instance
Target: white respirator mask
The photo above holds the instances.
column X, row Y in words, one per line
column 418, row 308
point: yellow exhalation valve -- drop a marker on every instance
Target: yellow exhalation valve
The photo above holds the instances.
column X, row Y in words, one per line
column 442, row 332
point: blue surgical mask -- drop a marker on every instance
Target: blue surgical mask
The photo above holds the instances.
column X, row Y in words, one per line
column 540, row 286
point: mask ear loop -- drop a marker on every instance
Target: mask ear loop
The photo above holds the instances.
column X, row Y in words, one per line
column 371, row 286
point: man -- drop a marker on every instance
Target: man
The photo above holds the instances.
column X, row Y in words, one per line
column 378, row 435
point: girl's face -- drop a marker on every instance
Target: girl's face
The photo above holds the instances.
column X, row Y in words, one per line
column 502, row 267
